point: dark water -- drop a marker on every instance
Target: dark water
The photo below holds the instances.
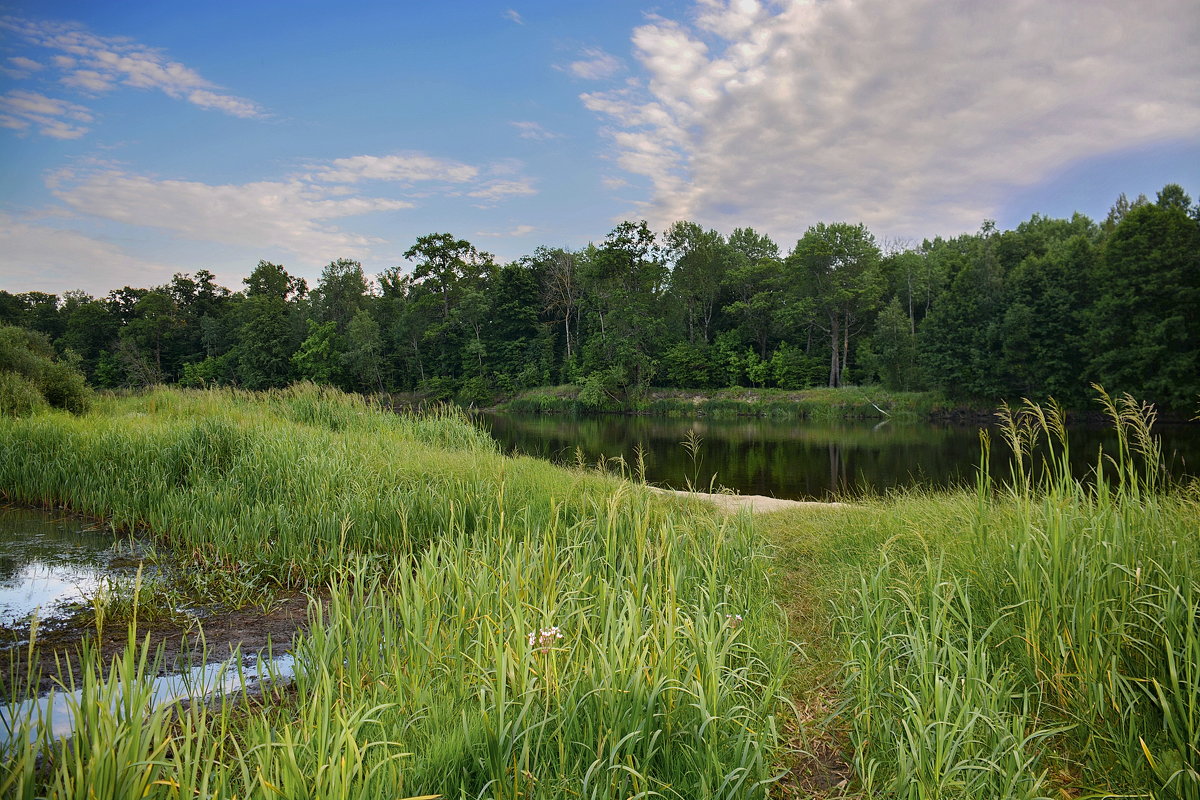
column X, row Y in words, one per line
column 799, row 459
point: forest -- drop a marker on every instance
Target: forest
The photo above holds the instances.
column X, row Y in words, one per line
column 1043, row 310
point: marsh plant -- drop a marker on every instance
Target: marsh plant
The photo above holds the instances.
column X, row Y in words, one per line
column 1046, row 642
column 434, row 558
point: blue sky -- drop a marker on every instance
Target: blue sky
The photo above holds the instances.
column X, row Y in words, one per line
column 140, row 139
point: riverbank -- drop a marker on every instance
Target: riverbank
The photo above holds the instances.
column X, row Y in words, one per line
column 499, row 626
column 494, row 626
column 855, row 403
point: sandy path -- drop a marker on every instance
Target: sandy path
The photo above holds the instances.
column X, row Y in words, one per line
column 756, row 503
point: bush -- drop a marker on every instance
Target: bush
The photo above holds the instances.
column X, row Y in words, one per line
column 29, row 366
column 18, row 396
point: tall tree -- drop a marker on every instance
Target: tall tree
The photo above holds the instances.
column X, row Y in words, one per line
column 624, row 281
column 266, row 338
column 754, row 284
column 701, row 260
column 1145, row 327
column 837, row 265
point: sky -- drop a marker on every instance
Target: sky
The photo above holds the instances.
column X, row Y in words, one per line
column 139, row 139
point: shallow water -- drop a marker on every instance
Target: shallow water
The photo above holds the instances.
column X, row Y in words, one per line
column 50, row 561
column 55, row 713
column 799, row 459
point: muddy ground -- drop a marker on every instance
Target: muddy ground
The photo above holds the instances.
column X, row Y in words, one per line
column 55, row 661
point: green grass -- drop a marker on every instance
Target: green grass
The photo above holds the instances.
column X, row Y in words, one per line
column 1035, row 637
column 439, row 558
column 1030, row 640
column 820, row 403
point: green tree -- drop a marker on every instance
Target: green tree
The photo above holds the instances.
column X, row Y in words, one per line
column 341, row 293
column 623, row 282
column 266, row 340
column 894, row 349
column 701, row 259
column 1145, row 325
column 318, row 356
column 363, row 358
column 836, row 268
column 754, row 285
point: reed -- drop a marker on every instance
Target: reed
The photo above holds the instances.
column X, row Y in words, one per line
column 489, row 626
column 1036, row 637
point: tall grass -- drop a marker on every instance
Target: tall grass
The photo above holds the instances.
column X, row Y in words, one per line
column 489, row 627
column 1049, row 641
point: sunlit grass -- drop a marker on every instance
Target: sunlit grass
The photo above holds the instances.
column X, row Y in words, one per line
column 1034, row 637
column 436, row 558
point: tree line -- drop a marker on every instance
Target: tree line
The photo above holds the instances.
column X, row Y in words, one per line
column 1042, row 310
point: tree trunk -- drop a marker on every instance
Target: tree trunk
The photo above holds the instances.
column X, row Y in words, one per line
column 845, row 348
column 835, row 346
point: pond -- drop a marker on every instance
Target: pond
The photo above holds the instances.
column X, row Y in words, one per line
column 798, row 459
column 50, row 562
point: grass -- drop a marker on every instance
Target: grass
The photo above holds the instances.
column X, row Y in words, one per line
column 818, row 403
column 439, row 558
column 1035, row 637
column 1031, row 639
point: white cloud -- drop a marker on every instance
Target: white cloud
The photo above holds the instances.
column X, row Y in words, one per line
column 20, row 110
column 494, row 190
column 21, row 67
column 100, row 63
column 914, row 118
column 514, row 16
column 520, row 230
column 20, row 62
column 291, row 215
column 596, row 64
column 403, row 168
column 534, row 131
column 36, row 257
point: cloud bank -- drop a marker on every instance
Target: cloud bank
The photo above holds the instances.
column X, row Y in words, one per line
column 912, row 117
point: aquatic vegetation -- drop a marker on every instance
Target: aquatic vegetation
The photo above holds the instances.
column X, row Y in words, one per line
column 435, row 557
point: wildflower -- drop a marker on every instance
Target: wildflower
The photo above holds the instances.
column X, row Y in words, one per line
column 543, row 639
column 733, row 620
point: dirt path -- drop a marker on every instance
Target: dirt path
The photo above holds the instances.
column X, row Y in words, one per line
column 756, row 503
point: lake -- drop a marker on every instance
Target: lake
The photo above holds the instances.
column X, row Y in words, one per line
column 798, row 459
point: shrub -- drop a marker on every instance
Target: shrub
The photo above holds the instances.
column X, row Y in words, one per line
column 29, row 366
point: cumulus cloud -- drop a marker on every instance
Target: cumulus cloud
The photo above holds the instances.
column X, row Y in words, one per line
column 21, row 110
column 43, row 258
column 405, row 168
column 595, row 65
column 912, row 117
column 535, row 132
column 96, row 64
column 291, row 215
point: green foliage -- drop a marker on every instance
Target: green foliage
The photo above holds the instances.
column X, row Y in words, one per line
column 688, row 366
column 33, row 376
column 1036, row 311
column 893, row 350
column 19, row 396
column 317, row 359
column 443, row 575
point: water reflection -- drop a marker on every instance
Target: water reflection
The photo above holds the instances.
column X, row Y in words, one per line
column 55, row 713
column 47, row 562
column 796, row 459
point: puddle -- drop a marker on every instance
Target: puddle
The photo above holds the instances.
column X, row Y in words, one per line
column 54, row 712
column 48, row 563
